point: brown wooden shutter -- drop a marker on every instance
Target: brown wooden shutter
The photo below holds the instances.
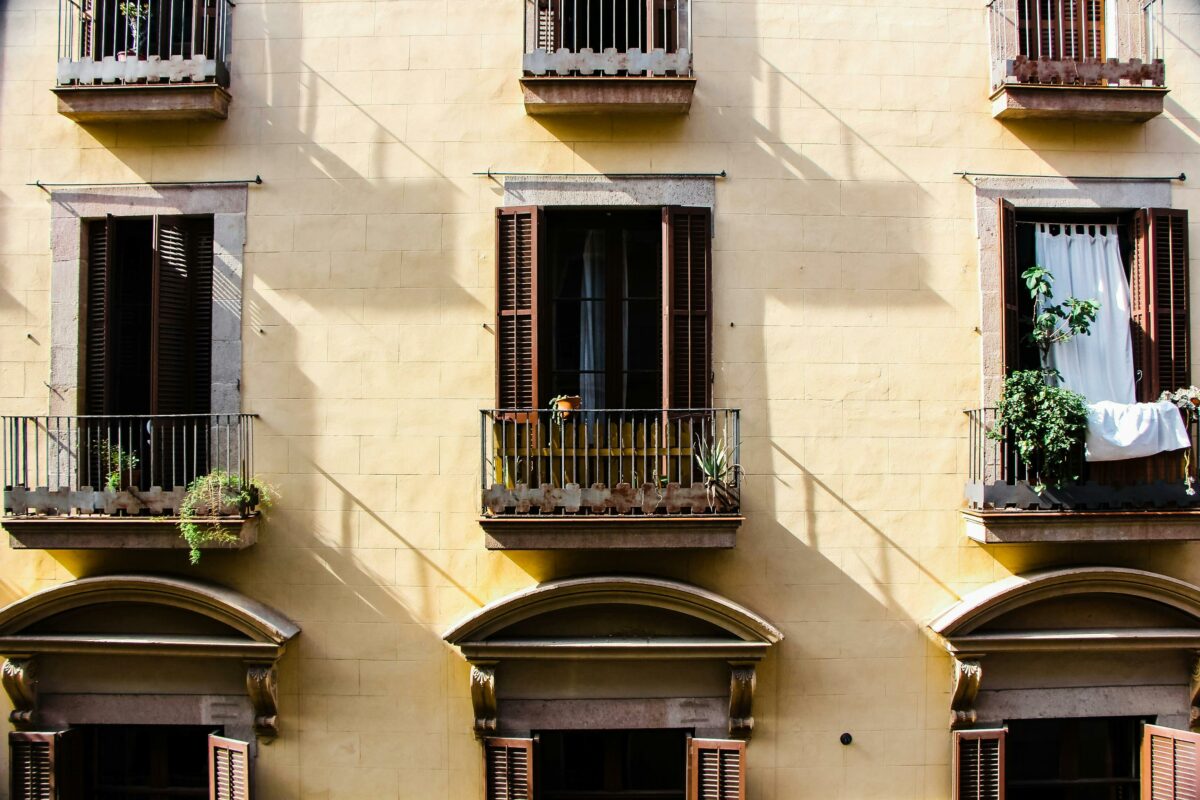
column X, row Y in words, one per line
column 716, row 769
column 508, row 769
column 98, row 323
column 1010, row 289
column 44, row 766
column 174, row 340
column 979, row 764
column 228, row 769
column 518, row 235
column 1167, row 277
column 1170, row 764
column 687, row 302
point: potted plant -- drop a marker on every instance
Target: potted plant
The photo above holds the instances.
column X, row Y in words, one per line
column 716, row 464
column 563, row 405
column 219, row 494
column 1188, row 402
column 136, row 18
column 120, row 466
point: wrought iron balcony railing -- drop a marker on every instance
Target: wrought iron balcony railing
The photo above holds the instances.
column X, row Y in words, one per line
column 1077, row 42
column 157, row 42
column 119, row 465
column 998, row 479
column 613, row 38
column 610, row 462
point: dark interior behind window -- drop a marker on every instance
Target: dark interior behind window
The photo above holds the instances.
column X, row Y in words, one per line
column 1089, row 758
column 621, row 765
column 147, row 762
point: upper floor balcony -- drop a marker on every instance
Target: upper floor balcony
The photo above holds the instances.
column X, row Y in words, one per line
column 1077, row 59
column 124, row 60
column 608, row 56
column 116, row 482
column 629, row 478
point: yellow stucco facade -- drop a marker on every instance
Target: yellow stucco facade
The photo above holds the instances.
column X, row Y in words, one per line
column 847, row 328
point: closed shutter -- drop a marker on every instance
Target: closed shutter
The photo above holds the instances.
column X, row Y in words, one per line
column 518, row 233
column 1010, row 288
column 44, row 766
column 228, row 769
column 97, row 343
column 979, row 764
column 176, row 335
column 687, row 300
column 508, row 769
column 1159, row 300
column 716, row 769
column 1170, row 766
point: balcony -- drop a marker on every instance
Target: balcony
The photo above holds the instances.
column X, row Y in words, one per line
column 1089, row 60
column 122, row 60
column 608, row 56
column 621, row 479
column 1138, row 500
column 109, row 482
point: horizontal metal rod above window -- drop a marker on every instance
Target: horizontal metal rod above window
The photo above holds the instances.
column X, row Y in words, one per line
column 497, row 174
column 1122, row 178
column 257, row 180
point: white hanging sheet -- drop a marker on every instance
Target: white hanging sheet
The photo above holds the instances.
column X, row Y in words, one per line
column 1084, row 261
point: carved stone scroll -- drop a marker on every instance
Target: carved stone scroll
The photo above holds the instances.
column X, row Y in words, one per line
column 741, row 700
column 965, row 688
column 1194, row 694
column 19, row 676
column 483, row 697
column 262, row 684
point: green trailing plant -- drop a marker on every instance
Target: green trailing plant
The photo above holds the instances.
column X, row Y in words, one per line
column 1056, row 322
column 208, row 495
column 558, row 414
column 116, row 461
column 715, row 460
column 1045, row 423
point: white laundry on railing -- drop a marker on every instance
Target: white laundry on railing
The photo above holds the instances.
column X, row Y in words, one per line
column 1085, row 262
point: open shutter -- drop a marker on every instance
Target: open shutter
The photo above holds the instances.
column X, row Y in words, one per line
column 716, row 769
column 508, row 769
column 98, row 356
column 228, row 769
column 687, row 303
column 518, row 231
column 200, row 329
column 1010, row 288
column 979, row 764
column 44, row 766
column 1170, row 766
column 1167, row 276
column 170, row 387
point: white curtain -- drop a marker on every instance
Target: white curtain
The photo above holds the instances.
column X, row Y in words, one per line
column 1084, row 261
column 591, row 322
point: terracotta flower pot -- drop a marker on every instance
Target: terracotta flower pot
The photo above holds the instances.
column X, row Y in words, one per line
column 565, row 405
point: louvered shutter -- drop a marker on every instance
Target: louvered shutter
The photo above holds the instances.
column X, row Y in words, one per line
column 171, row 306
column 687, row 302
column 1010, row 289
column 228, row 769
column 44, row 766
column 716, row 769
column 518, row 233
column 98, row 330
column 979, row 764
column 1170, row 764
column 200, row 329
column 508, row 769
column 1159, row 301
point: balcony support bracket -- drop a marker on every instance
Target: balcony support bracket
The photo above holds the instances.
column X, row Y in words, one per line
column 19, row 677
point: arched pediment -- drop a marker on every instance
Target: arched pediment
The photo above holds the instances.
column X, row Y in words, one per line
column 1050, row 609
column 704, row 621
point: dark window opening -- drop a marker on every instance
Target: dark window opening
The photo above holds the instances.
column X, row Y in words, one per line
column 1061, row 30
column 622, row 765
column 145, row 762
column 621, row 25
column 1090, row 758
column 602, row 283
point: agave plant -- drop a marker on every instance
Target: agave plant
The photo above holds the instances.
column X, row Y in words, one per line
column 715, row 460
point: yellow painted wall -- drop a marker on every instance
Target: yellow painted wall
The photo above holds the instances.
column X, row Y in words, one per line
column 847, row 298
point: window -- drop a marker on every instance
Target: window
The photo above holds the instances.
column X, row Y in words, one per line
column 621, row 765
column 1062, row 30
column 1074, row 759
column 1154, row 250
column 611, row 304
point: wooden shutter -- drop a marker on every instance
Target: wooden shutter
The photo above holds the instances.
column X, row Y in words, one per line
column 1159, row 301
column 228, row 769
column 518, row 235
column 508, row 769
column 1010, row 289
column 180, row 342
column 1170, row 766
column 44, row 766
column 98, row 323
column 716, row 769
column 979, row 764
column 687, row 302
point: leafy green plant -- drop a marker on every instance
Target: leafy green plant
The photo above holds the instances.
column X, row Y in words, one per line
column 210, row 495
column 1056, row 322
column 116, row 460
column 1045, row 423
column 715, row 460
column 136, row 17
column 558, row 414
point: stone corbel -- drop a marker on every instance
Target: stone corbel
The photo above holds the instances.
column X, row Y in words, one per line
column 19, row 677
column 262, row 684
column 741, row 699
column 1194, row 694
column 965, row 680
column 483, row 697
